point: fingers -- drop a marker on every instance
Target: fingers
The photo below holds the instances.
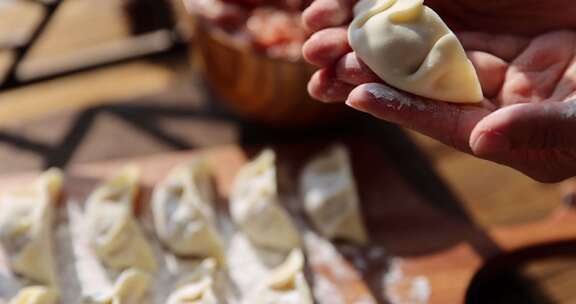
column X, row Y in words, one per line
column 342, row 70
column 325, row 87
column 327, row 13
column 352, row 70
column 535, row 74
column 329, row 49
column 506, row 47
column 538, row 139
column 335, row 83
column 566, row 88
column 326, row 47
column 491, row 72
column 449, row 123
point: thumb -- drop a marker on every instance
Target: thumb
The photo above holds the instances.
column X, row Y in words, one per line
column 529, row 127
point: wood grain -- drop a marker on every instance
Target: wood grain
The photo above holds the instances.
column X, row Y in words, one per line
column 82, row 24
column 17, row 21
column 491, row 193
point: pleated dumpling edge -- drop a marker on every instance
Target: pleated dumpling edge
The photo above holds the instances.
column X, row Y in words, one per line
column 184, row 212
column 410, row 47
column 26, row 224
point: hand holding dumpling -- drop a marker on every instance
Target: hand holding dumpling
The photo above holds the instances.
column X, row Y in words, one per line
column 527, row 117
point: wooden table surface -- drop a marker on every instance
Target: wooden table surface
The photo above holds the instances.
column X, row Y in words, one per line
column 492, row 195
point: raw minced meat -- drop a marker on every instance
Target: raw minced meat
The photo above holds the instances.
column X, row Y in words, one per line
column 272, row 27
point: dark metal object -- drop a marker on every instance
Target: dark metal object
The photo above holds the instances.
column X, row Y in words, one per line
column 505, row 279
column 158, row 11
column 20, row 52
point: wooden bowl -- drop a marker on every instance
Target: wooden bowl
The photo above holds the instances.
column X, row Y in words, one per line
column 255, row 87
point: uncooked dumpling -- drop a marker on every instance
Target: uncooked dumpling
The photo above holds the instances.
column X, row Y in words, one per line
column 35, row 295
column 26, row 225
column 286, row 284
column 256, row 209
column 201, row 287
column 114, row 231
column 130, row 287
column 183, row 212
column 409, row 47
column 198, row 292
column 330, row 196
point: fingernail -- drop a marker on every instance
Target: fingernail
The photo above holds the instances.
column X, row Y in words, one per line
column 359, row 101
column 490, row 143
column 354, row 105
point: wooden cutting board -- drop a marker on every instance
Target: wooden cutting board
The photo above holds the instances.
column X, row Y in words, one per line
column 419, row 253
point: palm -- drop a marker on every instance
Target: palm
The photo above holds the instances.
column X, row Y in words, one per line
column 517, row 70
column 514, row 69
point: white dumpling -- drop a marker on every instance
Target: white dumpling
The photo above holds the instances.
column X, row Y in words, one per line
column 114, row 231
column 26, row 225
column 201, row 287
column 199, row 292
column 130, row 287
column 286, row 284
column 256, row 209
column 330, row 196
column 183, row 212
column 409, row 47
column 36, row 295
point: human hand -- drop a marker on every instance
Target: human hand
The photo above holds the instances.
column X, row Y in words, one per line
column 528, row 118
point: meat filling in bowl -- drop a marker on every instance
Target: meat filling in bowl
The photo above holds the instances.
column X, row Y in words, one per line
column 272, row 27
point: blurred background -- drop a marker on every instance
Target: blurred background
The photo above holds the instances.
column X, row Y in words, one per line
column 88, row 80
column 77, row 75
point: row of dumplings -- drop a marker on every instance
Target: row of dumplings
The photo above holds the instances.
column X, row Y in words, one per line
column 185, row 222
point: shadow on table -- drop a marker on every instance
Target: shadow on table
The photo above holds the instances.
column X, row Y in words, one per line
column 544, row 274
